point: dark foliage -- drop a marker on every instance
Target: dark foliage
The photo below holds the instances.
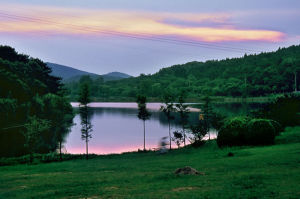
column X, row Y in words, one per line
column 285, row 110
column 28, row 90
column 260, row 132
column 232, row 133
column 230, row 154
column 143, row 113
column 240, row 131
column 177, row 138
column 198, row 132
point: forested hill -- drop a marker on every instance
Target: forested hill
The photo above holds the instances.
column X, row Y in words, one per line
column 251, row 75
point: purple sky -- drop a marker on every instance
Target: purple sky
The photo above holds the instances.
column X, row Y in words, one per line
column 138, row 36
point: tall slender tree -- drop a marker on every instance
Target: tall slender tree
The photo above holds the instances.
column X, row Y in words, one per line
column 168, row 108
column 207, row 112
column 87, row 128
column 184, row 114
column 143, row 113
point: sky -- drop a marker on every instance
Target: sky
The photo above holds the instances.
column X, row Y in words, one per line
column 143, row 36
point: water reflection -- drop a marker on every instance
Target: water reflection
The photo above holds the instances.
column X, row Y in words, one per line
column 117, row 130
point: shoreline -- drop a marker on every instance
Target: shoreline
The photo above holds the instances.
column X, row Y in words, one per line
column 153, row 106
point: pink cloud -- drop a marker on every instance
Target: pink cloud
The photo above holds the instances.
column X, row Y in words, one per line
column 56, row 20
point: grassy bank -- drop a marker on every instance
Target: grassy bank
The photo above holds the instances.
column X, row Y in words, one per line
column 253, row 172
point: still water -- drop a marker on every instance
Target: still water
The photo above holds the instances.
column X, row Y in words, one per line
column 117, row 129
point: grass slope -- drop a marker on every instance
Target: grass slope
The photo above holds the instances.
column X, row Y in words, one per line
column 253, row 172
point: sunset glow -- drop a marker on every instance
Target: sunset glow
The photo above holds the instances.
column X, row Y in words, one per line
column 208, row 27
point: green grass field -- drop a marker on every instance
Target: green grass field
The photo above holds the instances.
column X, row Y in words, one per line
column 253, row 172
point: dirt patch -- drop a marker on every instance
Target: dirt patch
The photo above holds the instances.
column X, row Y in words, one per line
column 188, row 171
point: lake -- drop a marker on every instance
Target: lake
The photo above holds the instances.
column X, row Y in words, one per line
column 117, row 129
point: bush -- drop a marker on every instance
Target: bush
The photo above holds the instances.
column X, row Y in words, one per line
column 277, row 126
column 240, row 131
column 284, row 110
column 289, row 135
column 232, row 133
column 260, row 132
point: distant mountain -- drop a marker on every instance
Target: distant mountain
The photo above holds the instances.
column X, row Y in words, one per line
column 69, row 74
column 115, row 76
column 66, row 72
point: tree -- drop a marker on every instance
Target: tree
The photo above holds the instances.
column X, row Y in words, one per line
column 178, row 138
column 207, row 114
column 86, row 129
column 167, row 109
column 183, row 111
column 34, row 127
column 60, row 113
column 198, row 132
column 143, row 113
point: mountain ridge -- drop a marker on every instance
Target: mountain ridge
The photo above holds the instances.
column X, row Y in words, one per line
column 69, row 74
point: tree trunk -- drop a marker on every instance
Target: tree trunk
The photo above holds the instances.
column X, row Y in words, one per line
column 170, row 136
column 86, row 135
column 87, row 148
column 31, row 157
column 183, row 136
column 144, row 136
column 60, row 156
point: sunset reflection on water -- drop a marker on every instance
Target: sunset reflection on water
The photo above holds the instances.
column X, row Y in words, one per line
column 116, row 129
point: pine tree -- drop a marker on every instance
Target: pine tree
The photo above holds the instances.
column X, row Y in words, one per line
column 86, row 129
column 143, row 113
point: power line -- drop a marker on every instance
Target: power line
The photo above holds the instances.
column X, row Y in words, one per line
column 135, row 36
column 120, row 34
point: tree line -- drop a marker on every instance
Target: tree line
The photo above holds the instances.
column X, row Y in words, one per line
column 251, row 75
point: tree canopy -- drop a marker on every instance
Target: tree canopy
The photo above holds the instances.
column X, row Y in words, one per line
column 27, row 90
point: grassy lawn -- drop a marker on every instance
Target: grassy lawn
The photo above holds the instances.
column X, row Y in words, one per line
column 253, row 172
